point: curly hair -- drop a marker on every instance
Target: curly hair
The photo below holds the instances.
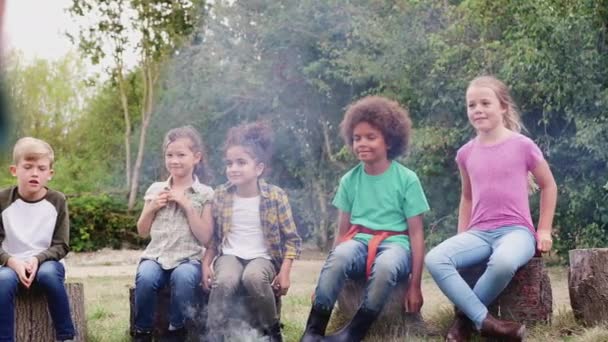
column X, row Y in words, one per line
column 257, row 138
column 383, row 114
column 201, row 170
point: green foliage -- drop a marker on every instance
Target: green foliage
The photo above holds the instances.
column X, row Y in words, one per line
column 98, row 221
column 300, row 63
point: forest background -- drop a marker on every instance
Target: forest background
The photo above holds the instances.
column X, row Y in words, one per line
column 299, row 64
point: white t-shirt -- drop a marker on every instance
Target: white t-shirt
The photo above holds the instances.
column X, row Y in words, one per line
column 246, row 238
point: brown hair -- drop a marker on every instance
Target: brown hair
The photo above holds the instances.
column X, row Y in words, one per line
column 201, row 170
column 511, row 118
column 257, row 138
column 383, row 114
column 29, row 148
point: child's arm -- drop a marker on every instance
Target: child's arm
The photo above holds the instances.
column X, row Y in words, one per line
column 60, row 243
column 144, row 223
column 343, row 226
column 13, row 263
column 204, row 233
column 548, row 201
column 414, row 300
column 465, row 207
column 208, row 273
column 291, row 244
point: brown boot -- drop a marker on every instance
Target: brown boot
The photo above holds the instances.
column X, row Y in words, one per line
column 513, row 331
column 461, row 328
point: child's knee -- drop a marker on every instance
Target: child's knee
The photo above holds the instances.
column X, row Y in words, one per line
column 50, row 273
column 186, row 276
column 252, row 280
column 433, row 258
column 340, row 257
column 226, row 282
column 385, row 271
column 9, row 280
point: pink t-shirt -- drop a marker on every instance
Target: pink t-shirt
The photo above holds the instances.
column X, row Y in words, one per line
column 499, row 181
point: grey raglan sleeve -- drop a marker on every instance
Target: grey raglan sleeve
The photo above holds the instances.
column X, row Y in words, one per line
column 60, row 244
column 4, row 256
column 4, row 202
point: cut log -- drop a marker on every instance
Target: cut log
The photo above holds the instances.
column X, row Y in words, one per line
column 528, row 297
column 195, row 327
column 33, row 322
column 588, row 285
column 393, row 320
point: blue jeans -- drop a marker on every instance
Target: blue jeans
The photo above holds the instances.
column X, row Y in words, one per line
column 505, row 249
column 50, row 278
column 151, row 277
column 348, row 260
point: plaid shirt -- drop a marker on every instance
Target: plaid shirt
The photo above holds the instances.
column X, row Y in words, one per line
column 279, row 230
column 172, row 241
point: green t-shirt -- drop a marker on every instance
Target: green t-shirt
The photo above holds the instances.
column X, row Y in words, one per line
column 381, row 202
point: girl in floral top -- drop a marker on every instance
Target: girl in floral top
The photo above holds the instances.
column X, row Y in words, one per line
column 174, row 216
column 254, row 236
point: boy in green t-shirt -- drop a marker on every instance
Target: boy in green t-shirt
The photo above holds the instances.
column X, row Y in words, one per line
column 380, row 231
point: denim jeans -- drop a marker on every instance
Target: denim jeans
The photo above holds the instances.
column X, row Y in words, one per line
column 151, row 277
column 50, row 278
column 505, row 249
column 348, row 261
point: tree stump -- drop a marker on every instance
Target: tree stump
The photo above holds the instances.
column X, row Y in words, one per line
column 194, row 327
column 588, row 285
column 33, row 322
column 528, row 297
column 393, row 321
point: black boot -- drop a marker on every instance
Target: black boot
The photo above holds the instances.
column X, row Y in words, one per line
column 274, row 333
column 142, row 336
column 177, row 335
column 316, row 324
column 356, row 329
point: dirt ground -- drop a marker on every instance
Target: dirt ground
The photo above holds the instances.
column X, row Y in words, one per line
column 110, row 262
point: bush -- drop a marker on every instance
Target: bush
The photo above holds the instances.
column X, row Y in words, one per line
column 98, row 221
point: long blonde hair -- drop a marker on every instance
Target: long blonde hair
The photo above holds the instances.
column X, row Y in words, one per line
column 511, row 118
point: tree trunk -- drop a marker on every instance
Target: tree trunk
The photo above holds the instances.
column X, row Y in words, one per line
column 393, row 322
column 588, row 285
column 528, row 297
column 33, row 322
column 322, row 231
column 127, row 135
column 149, row 81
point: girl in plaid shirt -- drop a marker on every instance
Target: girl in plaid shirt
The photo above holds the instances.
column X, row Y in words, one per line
column 254, row 236
column 176, row 215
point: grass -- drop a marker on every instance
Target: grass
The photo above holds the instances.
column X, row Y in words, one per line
column 107, row 307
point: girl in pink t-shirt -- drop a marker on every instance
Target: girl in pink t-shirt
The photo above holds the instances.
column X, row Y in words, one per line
column 494, row 222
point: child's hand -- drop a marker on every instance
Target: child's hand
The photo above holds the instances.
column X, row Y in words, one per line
column 281, row 284
column 161, row 200
column 208, row 276
column 20, row 268
column 31, row 268
column 179, row 197
column 413, row 299
column 545, row 242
